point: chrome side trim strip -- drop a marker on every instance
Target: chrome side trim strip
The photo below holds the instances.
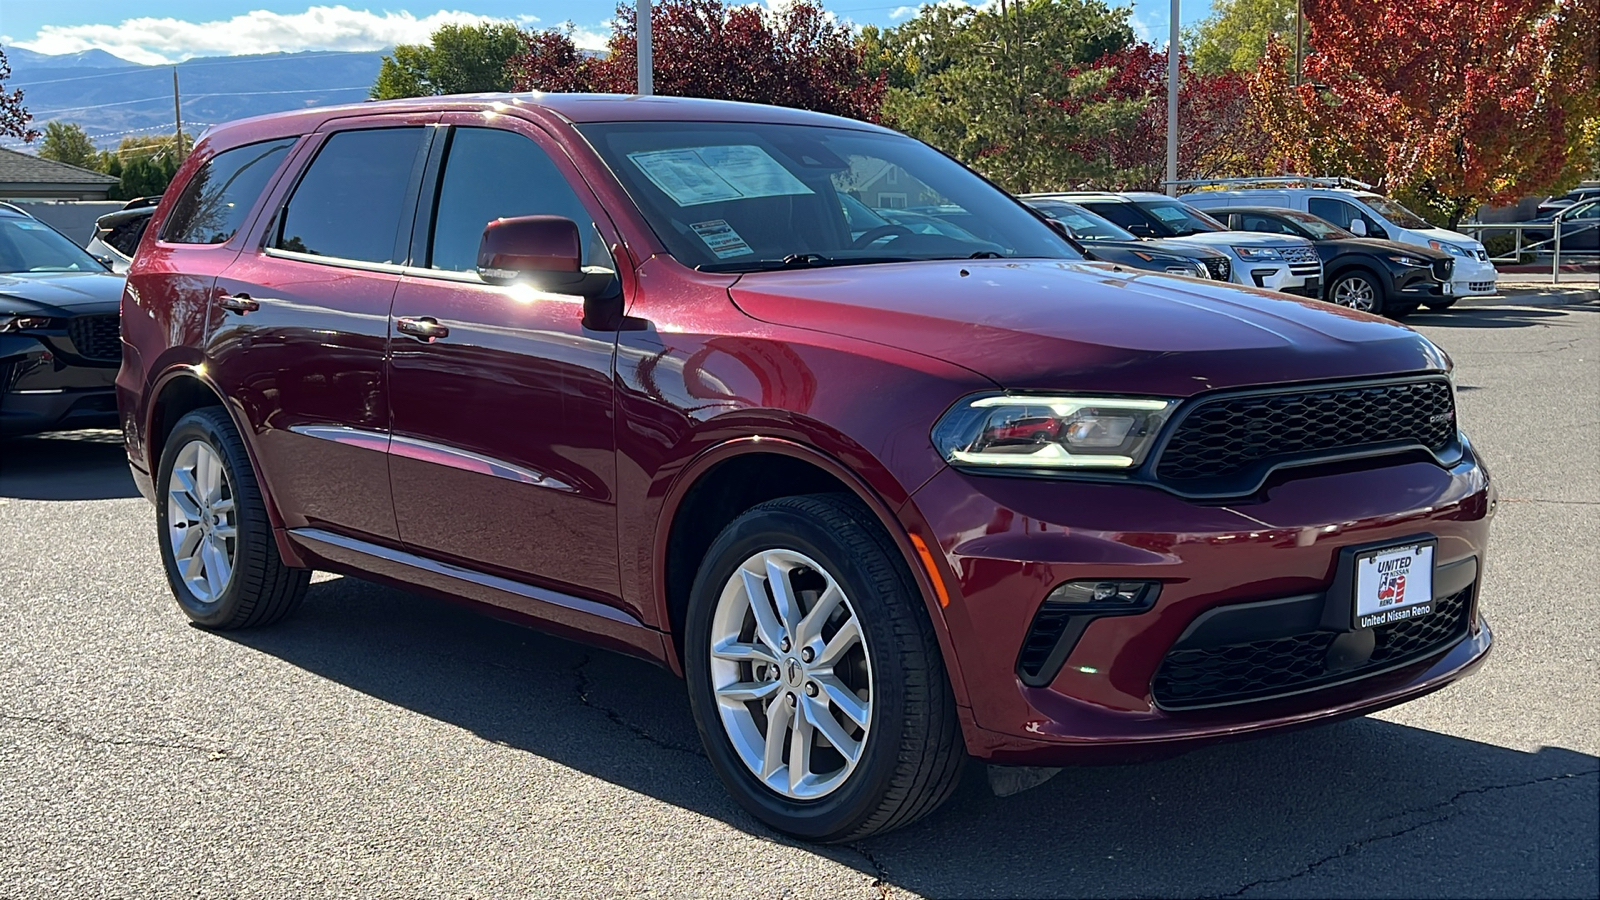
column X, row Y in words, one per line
column 344, row 434
column 494, row 582
column 428, row 451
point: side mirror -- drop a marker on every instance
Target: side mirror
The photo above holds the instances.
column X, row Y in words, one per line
column 544, row 249
column 1141, row 229
column 1358, row 227
column 1064, row 228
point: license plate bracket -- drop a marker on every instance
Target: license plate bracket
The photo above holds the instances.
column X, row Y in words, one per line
column 1382, row 583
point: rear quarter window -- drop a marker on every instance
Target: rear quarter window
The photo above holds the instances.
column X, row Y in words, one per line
column 221, row 194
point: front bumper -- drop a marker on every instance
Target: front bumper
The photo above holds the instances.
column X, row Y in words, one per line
column 41, row 391
column 1474, row 278
column 1279, row 277
column 1012, row 540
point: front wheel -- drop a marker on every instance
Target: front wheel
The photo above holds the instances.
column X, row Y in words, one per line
column 1359, row 291
column 814, row 674
column 216, row 540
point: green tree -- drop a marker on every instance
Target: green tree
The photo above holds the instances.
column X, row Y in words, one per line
column 145, row 165
column 1009, row 90
column 458, row 59
column 1234, row 37
column 66, row 142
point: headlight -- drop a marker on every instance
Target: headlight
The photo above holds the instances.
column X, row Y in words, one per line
column 1451, row 249
column 1410, row 261
column 1020, row 431
column 1257, row 254
column 21, row 323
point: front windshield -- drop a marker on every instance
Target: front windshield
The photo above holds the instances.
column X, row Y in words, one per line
column 744, row 197
column 1180, row 219
column 1318, row 228
column 1394, row 212
column 28, row 245
column 1085, row 225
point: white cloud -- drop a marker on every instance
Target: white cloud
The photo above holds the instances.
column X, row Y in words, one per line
column 1150, row 27
column 903, row 12
column 152, row 40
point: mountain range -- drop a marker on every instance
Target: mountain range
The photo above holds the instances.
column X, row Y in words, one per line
column 113, row 98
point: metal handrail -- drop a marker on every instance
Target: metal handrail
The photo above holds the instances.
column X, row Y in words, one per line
column 1555, row 226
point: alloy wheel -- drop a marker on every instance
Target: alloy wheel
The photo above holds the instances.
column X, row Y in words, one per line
column 202, row 527
column 1357, row 293
column 791, row 674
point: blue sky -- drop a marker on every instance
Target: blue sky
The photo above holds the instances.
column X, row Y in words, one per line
column 174, row 30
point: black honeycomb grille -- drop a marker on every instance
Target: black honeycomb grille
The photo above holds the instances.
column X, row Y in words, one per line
column 96, row 337
column 1233, row 438
column 1257, row 670
column 1219, row 267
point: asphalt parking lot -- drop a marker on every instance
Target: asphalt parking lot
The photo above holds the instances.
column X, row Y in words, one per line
column 384, row 744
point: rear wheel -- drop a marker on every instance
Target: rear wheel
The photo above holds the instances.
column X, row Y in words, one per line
column 1358, row 290
column 216, row 541
column 814, row 675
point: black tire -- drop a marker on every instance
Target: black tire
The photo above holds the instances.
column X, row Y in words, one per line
column 1380, row 296
column 261, row 589
column 913, row 754
column 1440, row 302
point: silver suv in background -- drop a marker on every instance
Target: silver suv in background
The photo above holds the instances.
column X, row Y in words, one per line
column 1359, row 211
column 1275, row 262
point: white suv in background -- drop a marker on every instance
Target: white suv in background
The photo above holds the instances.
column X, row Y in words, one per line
column 1277, row 262
column 1364, row 213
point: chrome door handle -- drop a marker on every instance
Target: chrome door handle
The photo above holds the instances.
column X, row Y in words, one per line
column 425, row 328
column 239, row 303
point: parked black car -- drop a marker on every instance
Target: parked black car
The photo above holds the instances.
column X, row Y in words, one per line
column 1105, row 240
column 60, row 331
column 116, row 235
column 1381, row 277
column 1553, row 205
column 1580, row 228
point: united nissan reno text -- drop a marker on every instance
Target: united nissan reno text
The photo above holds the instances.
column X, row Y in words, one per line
column 617, row 367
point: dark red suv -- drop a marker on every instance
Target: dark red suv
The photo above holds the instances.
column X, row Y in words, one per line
column 620, row 367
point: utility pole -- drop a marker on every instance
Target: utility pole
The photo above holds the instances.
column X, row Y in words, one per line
column 1299, row 28
column 177, row 115
column 1172, row 104
column 641, row 18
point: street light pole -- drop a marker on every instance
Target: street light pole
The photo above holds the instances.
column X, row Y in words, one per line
column 641, row 18
column 1172, row 104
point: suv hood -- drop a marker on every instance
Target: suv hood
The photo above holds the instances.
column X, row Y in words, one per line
column 60, row 293
column 1242, row 239
column 1058, row 325
column 1388, row 248
column 1158, row 245
column 1446, row 237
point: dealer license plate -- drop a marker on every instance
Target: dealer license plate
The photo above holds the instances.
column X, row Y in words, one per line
column 1393, row 584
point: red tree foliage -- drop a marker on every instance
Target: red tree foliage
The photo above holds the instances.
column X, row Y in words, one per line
column 1453, row 103
column 1217, row 135
column 14, row 117
column 796, row 57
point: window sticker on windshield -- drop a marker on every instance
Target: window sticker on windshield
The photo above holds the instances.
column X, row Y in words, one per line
column 722, row 239
column 696, row 175
column 32, row 226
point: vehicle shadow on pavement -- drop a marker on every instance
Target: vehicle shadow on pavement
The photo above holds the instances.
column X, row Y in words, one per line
column 1496, row 316
column 1364, row 807
column 66, row 465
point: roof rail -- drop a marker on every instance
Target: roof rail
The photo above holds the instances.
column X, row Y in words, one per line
column 1324, row 181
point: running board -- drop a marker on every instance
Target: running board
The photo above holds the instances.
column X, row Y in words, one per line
column 585, row 619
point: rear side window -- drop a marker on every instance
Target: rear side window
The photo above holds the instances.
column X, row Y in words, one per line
column 1336, row 211
column 492, row 174
column 349, row 203
column 216, row 200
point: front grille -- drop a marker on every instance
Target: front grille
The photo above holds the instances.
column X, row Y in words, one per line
column 1482, row 255
column 1300, row 255
column 1225, row 442
column 1443, row 269
column 96, row 337
column 1257, row 670
column 1480, row 285
column 1219, row 267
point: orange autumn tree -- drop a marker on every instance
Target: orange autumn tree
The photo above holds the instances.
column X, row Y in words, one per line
column 1447, row 104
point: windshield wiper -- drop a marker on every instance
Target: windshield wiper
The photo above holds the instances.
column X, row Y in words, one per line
column 800, row 261
column 987, row 254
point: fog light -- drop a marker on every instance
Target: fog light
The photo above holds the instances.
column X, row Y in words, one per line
column 1107, row 596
